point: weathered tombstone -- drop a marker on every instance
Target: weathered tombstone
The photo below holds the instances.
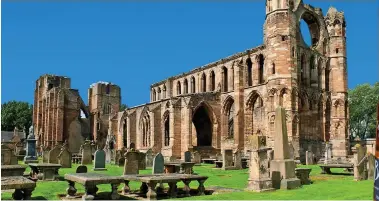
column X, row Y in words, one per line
column 187, row 156
column 238, row 159
column 7, row 156
column 328, row 153
column 86, row 150
column 131, row 163
column 370, row 166
column 45, row 155
column 219, row 157
column 196, row 157
column 149, row 158
column 31, row 154
column 360, row 172
column 259, row 173
column 282, row 168
column 227, row 159
column 65, row 157
column 141, row 161
column 81, row 169
column 132, row 146
column 99, row 162
column 53, row 154
column 309, row 158
column 158, row 164
column 108, row 155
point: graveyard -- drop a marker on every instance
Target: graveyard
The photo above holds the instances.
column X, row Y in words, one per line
column 324, row 187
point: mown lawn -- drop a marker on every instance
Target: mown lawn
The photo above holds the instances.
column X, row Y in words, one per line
column 324, row 187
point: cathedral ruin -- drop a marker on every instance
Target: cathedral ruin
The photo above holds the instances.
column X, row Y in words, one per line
column 217, row 106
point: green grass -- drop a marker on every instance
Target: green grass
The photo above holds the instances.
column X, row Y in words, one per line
column 324, row 187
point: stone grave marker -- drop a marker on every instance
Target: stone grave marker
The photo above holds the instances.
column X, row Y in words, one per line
column 86, row 150
column 370, row 166
column 142, row 161
column 65, row 157
column 219, row 157
column 291, row 150
column 227, row 159
column 53, row 154
column 360, row 165
column 187, row 156
column 238, row 159
column 196, row 157
column 31, row 152
column 7, row 156
column 45, row 155
column 309, row 158
column 259, row 173
column 132, row 146
column 149, row 158
column 81, row 169
column 99, row 162
column 282, row 168
column 131, row 163
column 158, row 164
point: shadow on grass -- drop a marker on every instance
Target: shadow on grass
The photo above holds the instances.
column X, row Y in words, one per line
column 342, row 173
column 38, row 198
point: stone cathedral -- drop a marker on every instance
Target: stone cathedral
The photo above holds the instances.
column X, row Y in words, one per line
column 217, row 106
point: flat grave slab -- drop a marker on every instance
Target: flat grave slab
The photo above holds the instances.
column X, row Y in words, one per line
column 44, row 171
column 12, row 170
column 23, row 186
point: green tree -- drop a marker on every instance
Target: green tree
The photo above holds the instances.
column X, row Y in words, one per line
column 16, row 114
column 123, row 107
column 362, row 109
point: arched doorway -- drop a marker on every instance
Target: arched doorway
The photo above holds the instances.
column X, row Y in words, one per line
column 203, row 125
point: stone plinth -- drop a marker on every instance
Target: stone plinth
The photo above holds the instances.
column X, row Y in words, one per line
column 31, row 153
column 303, row 175
column 12, row 170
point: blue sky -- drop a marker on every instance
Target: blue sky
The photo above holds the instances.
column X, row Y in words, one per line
column 136, row 44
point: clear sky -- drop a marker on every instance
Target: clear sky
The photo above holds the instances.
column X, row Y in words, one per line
column 136, row 44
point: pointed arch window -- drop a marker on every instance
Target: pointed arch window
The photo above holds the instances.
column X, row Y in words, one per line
column 178, row 88
column 167, row 130
column 249, row 65
column 203, row 83
column 213, row 81
column 231, row 120
column 185, row 86
column 225, row 79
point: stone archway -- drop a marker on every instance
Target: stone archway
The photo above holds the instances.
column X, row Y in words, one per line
column 203, row 126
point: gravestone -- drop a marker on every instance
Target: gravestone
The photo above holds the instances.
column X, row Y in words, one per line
column 196, row 157
column 65, row 157
column 31, row 153
column 158, row 164
column 99, row 162
column 81, row 169
column 45, row 155
column 360, row 164
column 132, row 146
column 187, row 156
column 7, row 156
column 259, row 173
column 282, row 168
column 309, row 158
column 108, row 155
column 238, row 159
column 131, row 163
column 219, row 157
column 328, row 153
column 227, row 159
column 86, row 150
column 291, row 150
column 149, row 158
column 53, row 154
column 370, row 166
column 141, row 161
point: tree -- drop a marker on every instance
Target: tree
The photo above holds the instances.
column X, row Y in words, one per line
column 16, row 114
column 123, row 107
column 362, row 109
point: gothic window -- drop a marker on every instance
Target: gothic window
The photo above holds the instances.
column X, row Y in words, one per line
column 273, row 68
column 193, row 85
column 261, row 69
column 145, row 128
column 249, row 72
column 203, row 83
column 125, row 133
column 185, row 86
column 178, row 88
column 213, row 81
column 231, row 121
column 225, row 78
column 154, row 95
column 159, row 93
column 167, row 131
column 164, row 91
column 302, row 69
column 108, row 109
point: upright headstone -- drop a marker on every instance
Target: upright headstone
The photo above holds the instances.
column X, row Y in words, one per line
column 291, row 150
column 227, row 159
column 360, row 172
column 86, row 149
column 259, row 173
column 219, row 157
column 121, row 159
column 328, row 153
column 149, row 158
column 108, row 155
column 238, row 159
column 141, row 161
column 131, row 162
column 53, row 154
column 309, row 158
column 187, row 156
column 132, row 146
column 370, row 166
column 196, row 157
column 65, row 157
column 282, row 168
column 45, row 155
column 158, row 164
column 81, row 169
column 99, row 162
column 7, row 156
column 31, row 154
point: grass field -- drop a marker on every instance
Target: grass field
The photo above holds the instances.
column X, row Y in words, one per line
column 324, row 187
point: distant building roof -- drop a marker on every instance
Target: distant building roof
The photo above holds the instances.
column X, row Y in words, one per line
column 7, row 136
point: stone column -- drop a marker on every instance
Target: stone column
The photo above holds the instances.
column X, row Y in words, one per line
column 239, row 107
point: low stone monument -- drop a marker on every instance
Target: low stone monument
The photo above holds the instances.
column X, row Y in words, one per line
column 86, row 150
column 31, row 154
column 141, row 160
column 7, row 156
column 328, row 153
column 360, row 163
column 149, row 158
column 45, row 155
column 81, row 169
column 282, row 168
column 65, row 157
column 238, row 159
column 158, row 164
column 291, row 150
column 227, row 159
column 196, row 157
column 309, row 158
column 99, row 162
column 370, row 166
column 131, row 162
column 53, row 154
column 187, row 156
column 259, row 173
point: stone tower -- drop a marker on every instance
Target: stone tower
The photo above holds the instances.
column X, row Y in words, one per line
column 104, row 100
